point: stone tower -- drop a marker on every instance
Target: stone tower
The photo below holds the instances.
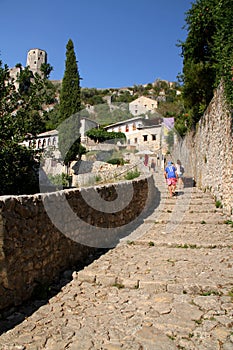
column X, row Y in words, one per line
column 35, row 58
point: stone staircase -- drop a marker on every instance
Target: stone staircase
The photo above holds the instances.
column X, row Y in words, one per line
column 166, row 286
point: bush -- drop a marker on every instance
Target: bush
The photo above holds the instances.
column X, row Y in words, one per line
column 60, row 180
column 132, row 174
column 116, row 161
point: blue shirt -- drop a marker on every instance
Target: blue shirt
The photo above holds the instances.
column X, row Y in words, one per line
column 171, row 171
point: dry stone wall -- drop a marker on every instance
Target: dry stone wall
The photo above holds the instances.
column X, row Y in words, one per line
column 208, row 153
column 36, row 245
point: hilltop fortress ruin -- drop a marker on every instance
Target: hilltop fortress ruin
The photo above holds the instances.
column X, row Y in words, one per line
column 35, row 58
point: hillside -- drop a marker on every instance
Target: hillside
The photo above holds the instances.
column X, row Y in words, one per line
column 106, row 106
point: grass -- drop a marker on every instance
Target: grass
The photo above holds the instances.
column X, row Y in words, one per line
column 130, row 242
column 230, row 293
column 186, row 246
column 229, row 222
column 210, row 292
column 218, row 204
column 132, row 174
column 119, row 285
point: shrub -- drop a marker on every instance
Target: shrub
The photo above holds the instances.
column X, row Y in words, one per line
column 60, row 180
column 218, row 204
column 116, row 161
column 132, row 174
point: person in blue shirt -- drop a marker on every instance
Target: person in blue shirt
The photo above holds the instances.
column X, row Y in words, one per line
column 170, row 174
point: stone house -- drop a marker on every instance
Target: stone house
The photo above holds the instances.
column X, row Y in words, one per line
column 143, row 105
column 141, row 132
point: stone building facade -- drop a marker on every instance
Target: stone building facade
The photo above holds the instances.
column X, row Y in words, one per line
column 143, row 105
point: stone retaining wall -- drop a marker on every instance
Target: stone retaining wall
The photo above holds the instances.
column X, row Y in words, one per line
column 44, row 234
column 208, row 153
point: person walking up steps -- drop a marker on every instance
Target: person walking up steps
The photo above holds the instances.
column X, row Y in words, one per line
column 152, row 165
column 171, row 176
column 180, row 173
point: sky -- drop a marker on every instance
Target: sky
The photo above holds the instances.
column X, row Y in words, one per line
column 117, row 43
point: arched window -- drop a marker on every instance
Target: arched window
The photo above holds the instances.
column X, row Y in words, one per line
column 126, row 128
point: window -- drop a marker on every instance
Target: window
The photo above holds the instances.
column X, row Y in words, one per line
column 145, row 138
column 134, row 127
column 135, row 140
column 136, row 111
column 126, row 128
column 153, row 137
column 119, row 129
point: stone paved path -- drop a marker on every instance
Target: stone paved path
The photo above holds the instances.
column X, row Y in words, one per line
column 169, row 285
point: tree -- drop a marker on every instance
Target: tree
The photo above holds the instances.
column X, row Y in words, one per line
column 101, row 135
column 21, row 113
column 18, row 164
column 70, row 97
column 70, row 105
column 207, row 54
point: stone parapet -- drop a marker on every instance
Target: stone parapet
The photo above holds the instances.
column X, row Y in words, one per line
column 208, row 153
column 44, row 234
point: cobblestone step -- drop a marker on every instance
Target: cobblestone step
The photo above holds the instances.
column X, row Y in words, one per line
column 166, row 286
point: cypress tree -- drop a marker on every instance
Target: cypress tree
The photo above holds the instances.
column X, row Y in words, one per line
column 70, row 105
column 70, row 97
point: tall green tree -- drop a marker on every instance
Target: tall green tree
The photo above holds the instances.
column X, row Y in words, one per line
column 19, row 165
column 207, row 53
column 70, row 105
column 70, row 97
column 22, row 112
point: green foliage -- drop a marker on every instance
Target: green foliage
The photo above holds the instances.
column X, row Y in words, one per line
column 91, row 96
column 218, row 204
column 21, row 112
column 98, row 178
column 229, row 222
column 207, row 54
column 70, row 105
column 132, row 174
column 170, row 139
column 124, row 96
column 60, row 180
column 116, row 161
column 19, row 169
column 46, row 69
column 101, row 135
column 70, row 97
